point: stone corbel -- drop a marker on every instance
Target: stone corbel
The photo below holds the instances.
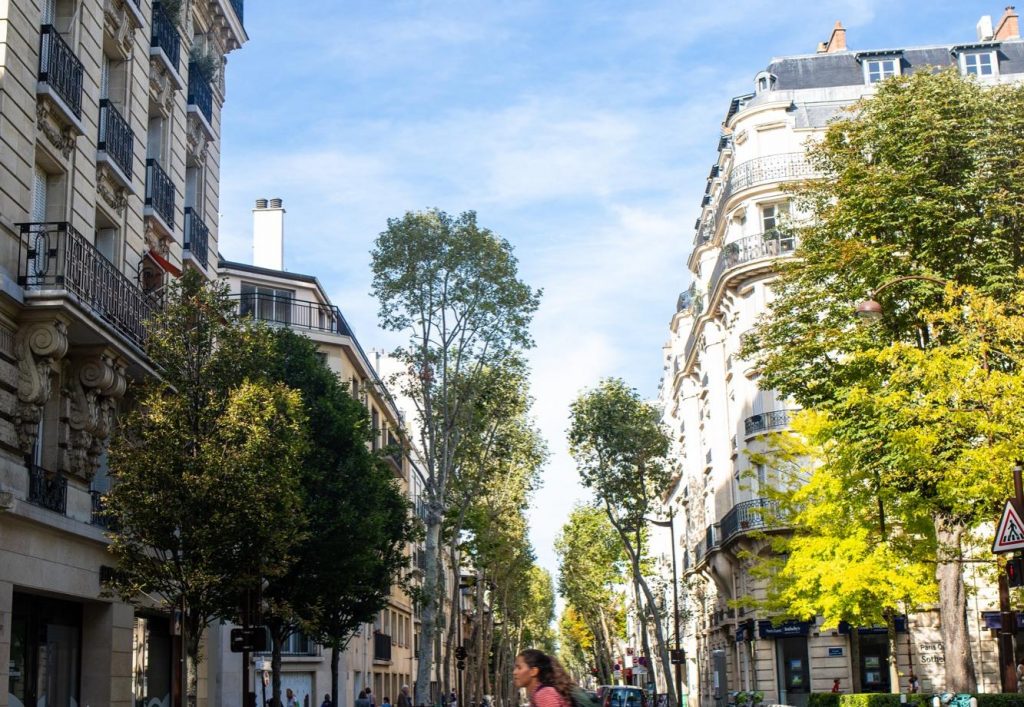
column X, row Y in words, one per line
column 39, row 347
column 95, row 385
column 120, row 24
column 113, row 193
column 60, row 136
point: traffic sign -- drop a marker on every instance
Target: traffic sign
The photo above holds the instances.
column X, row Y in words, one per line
column 1009, row 531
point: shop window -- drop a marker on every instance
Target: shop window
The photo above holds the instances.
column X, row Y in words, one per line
column 45, row 659
column 152, row 661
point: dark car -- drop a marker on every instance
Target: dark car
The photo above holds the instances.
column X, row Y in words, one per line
column 623, row 696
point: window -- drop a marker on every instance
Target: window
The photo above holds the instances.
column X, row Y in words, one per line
column 772, row 215
column 978, row 63
column 267, row 303
column 113, row 81
column 107, row 241
column 158, row 140
column 876, row 70
column 195, row 188
column 47, row 195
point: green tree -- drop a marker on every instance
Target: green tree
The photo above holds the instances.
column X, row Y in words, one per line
column 357, row 518
column 590, row 562
column 205, row 500
column 453, row 289
column 619, row 447
column 923, row 180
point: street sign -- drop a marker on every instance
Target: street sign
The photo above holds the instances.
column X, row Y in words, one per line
column 678, row 656
column 249, row 640
column 1009, row 531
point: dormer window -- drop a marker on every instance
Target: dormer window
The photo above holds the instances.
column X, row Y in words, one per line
column 764, row 81
column 980, row 62
column 880, row 66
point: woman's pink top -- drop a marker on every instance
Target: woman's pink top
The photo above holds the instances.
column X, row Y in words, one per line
column 546, row 696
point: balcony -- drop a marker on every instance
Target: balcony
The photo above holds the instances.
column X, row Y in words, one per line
column 160, row 196
column 292, row 312
column 165, row 43
column 57, row 257
column 767, row 421
column 197, row 237
column 381, row 647
column 47, row 489
column 60, row 75
column 116, row 142
column 747, row 250
column 747, row 516
column 786, row 167
column 98, row 518
column 200, row 98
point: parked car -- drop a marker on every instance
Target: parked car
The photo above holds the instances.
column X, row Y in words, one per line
column 623, row 696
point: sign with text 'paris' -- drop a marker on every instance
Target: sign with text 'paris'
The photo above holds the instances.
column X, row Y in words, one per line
column 1009, row 531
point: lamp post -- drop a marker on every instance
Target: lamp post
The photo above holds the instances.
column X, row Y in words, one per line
column 670, row 524
column 871, row 310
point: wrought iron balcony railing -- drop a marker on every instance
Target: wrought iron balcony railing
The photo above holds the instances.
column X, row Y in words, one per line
column 99, row 518
column 160, row 193
column 292, row 312
column 57, row 257
column 165, row 35
column 48, row 489
column 381, row 646
column 746, row 516
column 200, row 94
column 700, row 551
column 60, row 69
column 749, row 249
column 767, row 421
column 197, row 236
column 116, row 137
column 784, row 167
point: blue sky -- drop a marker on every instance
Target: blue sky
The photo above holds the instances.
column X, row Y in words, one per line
column 580, row 131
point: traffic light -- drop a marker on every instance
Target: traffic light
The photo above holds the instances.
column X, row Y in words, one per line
column 460, row 653
column 460, row 665
column 1015, row 572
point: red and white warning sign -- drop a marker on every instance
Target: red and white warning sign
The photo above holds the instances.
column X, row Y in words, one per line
column 1010, row 531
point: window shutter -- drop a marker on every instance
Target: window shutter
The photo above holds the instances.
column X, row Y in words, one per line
column 38, row 195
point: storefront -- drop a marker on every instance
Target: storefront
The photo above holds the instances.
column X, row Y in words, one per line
column 154, row 682
column 793, row 670
column 872, row 651
column 46, row 648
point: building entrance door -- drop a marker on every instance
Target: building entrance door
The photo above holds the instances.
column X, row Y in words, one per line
column 793, row 670
column 45, row 652
column 719, row 678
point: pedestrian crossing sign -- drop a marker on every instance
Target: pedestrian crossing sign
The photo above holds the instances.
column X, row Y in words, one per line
column 1010, row 531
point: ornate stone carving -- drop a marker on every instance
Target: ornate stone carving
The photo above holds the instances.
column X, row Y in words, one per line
column 155, row 240
column 38, row 346
column 60, row 135
column 161, row 87
column 95, row 384
column 120, row 24
column 196, row 141
column 108, row 188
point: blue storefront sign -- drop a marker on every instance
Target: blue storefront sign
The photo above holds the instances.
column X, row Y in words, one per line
column 900, row 621
column 835, row 652
column 765, row 629
column 993, row 620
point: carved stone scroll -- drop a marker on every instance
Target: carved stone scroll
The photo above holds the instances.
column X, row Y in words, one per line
column 95, row 384
column 38, row 346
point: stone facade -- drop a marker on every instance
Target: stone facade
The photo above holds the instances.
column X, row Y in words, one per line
column 717, row 413
column 109, row 136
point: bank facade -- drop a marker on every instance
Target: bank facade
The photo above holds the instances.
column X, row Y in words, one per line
column 718, row 415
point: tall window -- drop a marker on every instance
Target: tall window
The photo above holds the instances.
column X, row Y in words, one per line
column 267, row 303
column 107, row 241
column 772, row 215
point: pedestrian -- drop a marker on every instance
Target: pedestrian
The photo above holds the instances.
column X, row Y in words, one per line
column 386, row 702
column 326, row 702
column 914, row 683
column 1020, row 675
column 369, row 696
column 546, row 682
column 835, row 686
column 453, row 701
column 289, row 698
column 404, row 700
column 362, row 700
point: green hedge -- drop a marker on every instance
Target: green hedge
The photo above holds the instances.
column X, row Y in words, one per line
column 869, row 699
column 824, row 699
column 879, row 699
column 1002, row 699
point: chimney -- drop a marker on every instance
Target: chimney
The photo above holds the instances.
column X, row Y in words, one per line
column 984, row 28
column 268, row 234
column 1008, row 27
column 836, row 41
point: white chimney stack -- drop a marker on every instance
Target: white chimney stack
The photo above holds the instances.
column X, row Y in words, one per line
column 268, row 234
column 984, row 28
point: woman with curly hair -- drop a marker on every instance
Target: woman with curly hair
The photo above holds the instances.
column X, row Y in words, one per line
column 546, row 682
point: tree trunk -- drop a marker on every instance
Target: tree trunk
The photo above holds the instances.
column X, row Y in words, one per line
column 960, row 675
column 890, row 633
column 335, row 660
column 608, row 648
column 634, row 559
column 645, row 641
column 277, row 638
column 428, row 612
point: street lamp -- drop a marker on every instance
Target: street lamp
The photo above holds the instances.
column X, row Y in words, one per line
column 670, row 524
column 870, row 310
